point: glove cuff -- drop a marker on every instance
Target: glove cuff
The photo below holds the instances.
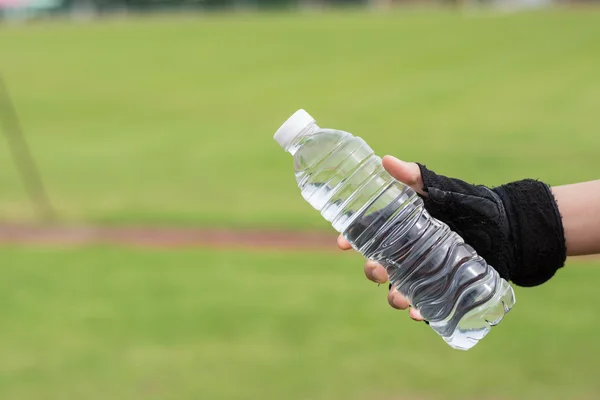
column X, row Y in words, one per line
column 536, row 230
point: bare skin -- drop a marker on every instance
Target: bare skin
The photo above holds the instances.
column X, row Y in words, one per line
column 579, row 205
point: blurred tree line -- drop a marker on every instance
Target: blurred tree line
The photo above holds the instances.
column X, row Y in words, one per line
column 149, row 5
column 27, row 9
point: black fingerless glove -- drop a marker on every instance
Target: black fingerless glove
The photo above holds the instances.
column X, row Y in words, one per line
column 516, row 227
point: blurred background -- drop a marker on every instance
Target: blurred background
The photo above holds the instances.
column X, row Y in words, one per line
column 160, row 114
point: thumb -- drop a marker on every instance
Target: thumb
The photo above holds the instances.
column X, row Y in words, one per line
column 407, row 173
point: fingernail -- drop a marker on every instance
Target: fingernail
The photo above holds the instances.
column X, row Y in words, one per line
column 377, row 276
column 371, row 264
column 402, row 161
column 394, row 301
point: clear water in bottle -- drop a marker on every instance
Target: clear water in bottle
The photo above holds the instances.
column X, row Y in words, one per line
column 455, row 290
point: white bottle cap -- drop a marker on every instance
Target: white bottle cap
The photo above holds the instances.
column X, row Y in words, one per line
column 292, row 128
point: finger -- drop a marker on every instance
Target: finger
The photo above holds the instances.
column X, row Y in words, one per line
column 407, row 173
column 343, row 243
column 397, row 301
column 375, row 272
column 415, row 314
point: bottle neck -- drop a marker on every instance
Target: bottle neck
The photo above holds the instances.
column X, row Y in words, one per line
column 295, row 144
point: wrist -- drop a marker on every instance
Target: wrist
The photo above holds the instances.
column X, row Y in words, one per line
column 536, row 233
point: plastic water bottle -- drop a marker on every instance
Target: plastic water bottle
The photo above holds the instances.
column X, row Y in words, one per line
column 455, row 290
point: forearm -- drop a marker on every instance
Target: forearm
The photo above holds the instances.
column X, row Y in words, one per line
column 579, row 206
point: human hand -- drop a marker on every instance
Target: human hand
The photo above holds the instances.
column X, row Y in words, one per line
column 516, row 227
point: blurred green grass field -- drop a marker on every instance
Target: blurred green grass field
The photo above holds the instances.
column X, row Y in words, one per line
column 170, row 120
column 101, row 323
column 164, row 120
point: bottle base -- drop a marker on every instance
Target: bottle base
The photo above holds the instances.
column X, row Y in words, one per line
column 477, row 323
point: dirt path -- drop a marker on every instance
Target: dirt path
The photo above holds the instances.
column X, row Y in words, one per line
column 160, row 237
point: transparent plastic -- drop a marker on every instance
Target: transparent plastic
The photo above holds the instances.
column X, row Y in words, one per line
column 460, row 295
